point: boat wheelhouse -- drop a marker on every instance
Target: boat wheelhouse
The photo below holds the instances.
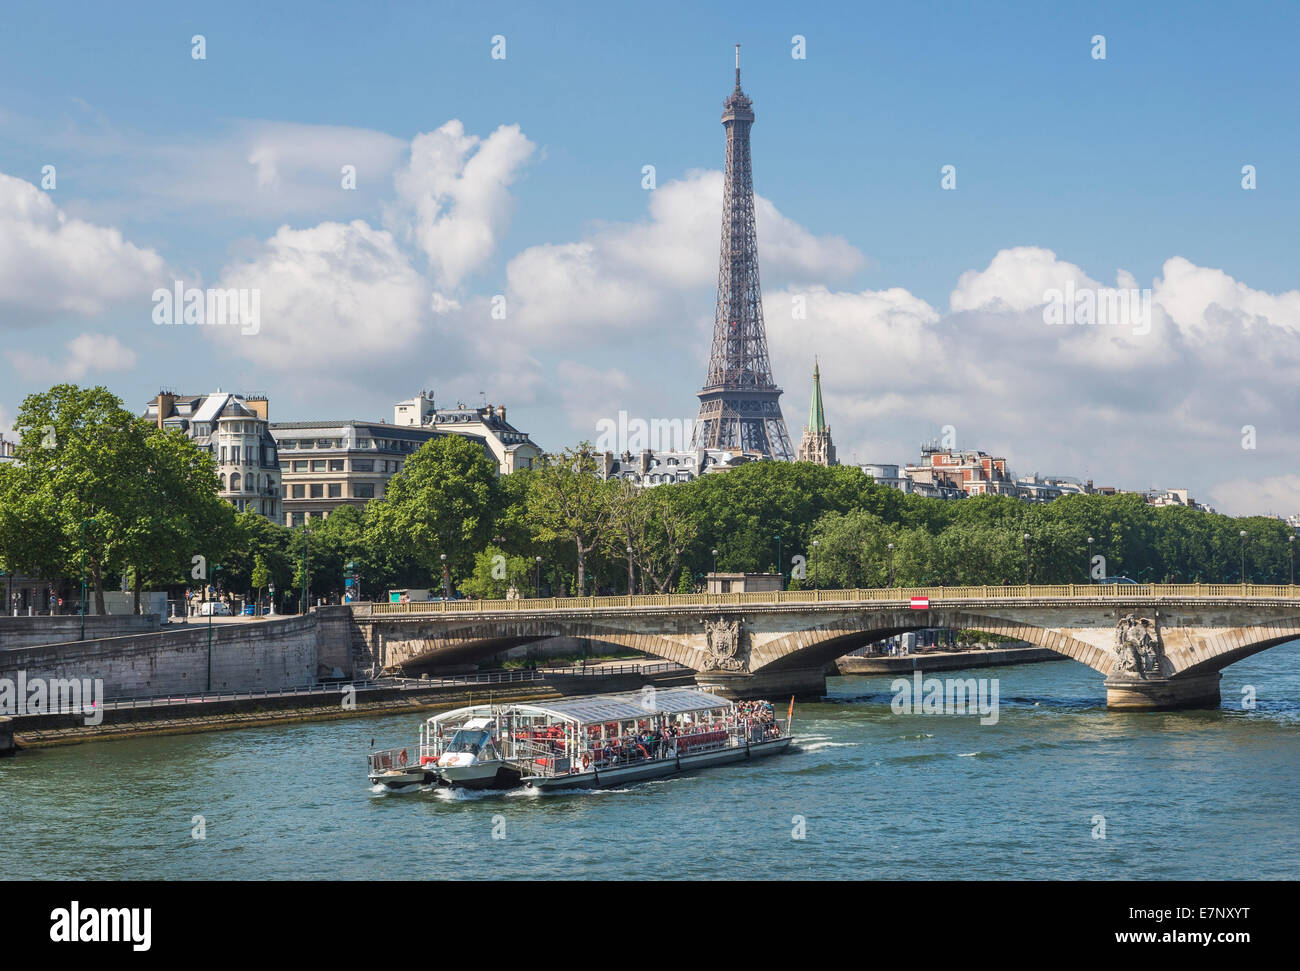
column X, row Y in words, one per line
column 607, row 740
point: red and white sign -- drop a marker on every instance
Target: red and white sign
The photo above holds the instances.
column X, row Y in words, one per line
column 920, row 603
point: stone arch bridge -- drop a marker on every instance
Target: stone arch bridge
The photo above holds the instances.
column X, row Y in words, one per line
column 1156, row 645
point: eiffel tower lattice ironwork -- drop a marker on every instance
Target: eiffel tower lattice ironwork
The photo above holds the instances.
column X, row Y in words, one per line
column 739, row 403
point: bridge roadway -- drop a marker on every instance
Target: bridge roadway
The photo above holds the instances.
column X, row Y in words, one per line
column 1158, row 646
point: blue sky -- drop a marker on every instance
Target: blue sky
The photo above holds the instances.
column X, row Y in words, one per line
column 1111, row 165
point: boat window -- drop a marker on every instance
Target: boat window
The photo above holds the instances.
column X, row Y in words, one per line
column 466, row 741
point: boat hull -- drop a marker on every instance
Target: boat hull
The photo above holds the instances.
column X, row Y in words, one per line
column 399, row 780
column 639, row 772
column 481, row 775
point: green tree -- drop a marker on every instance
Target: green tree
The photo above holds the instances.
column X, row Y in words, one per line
column 261, row 577
column 567, row 501
column 442, row 503
column 496, row 573
column 80, row 459
column 180, row 516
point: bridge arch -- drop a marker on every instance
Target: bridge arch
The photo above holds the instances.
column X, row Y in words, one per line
column 822, row 643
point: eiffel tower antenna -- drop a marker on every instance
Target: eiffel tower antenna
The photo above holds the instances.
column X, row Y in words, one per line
column 740, row 403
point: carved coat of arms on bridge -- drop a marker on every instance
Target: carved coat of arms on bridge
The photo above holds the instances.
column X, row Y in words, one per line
column 723, row 646
column 1138, row 648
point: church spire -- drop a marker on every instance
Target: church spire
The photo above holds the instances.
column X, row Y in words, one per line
column 816, row 445
column 816, row 414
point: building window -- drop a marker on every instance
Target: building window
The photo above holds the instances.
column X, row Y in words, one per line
column 234, row 482
column 299, row 492
column 363, row 490
column 318, row 465
column 363, row 465
column 336, row 490
column 317, row 491
column 300, row 466
column 289, row 443
column 336, row 465
column 296, row 519
column 284, row 466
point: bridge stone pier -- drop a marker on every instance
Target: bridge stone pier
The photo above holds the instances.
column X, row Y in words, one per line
column 1157, row 646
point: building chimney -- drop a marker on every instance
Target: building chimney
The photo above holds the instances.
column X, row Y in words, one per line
column 166, row 405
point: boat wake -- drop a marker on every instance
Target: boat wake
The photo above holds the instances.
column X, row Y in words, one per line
column 818, row 746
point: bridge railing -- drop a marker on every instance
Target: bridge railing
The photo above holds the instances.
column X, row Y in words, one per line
column 900, row 595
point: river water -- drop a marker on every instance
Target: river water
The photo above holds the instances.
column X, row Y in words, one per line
column 881, row 795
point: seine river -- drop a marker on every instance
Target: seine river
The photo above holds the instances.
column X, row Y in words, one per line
column 881, row 795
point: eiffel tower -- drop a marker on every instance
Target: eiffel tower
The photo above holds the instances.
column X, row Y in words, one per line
column 739, row 406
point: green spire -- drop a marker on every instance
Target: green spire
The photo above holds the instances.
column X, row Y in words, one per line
column 816, row 415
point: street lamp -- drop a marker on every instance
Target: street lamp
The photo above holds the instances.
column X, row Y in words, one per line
column 816, row 543
column 306, row 565
column 1027, row 559
column 630, row 577
column 891, row 564
column 1087, row 571
column 270, row 592
column 715, row 561
column 779, row 568
column 1243, row 556
column 446, row 577
column 1290, row 541
column 83, row 575
column 537, row 585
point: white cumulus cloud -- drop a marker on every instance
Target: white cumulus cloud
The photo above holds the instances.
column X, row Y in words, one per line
column 333, row 293
column 82, row 355
column 454, row 196
column 51, row 263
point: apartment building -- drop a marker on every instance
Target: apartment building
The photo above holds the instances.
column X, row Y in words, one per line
column 509, row 447
column 234, row 430
column 327, row 464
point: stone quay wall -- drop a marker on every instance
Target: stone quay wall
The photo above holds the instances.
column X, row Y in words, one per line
column 254, row 656
column 21, row 632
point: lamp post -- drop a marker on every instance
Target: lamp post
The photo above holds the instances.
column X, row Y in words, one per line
column 1243, row 556
column 816, row 543
column 306, row 565
column 446, row 577
column 1027, row 559
column 1087, row 570
column 214, row 587
column 537, row 585
column 715, row 561
column 1290, row 541
column 891, row 564
column 779, row 568
column 84, row 522
column 270, row 592
column 630, row 578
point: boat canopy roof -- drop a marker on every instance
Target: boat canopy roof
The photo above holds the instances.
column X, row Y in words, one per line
column 465, row 714
column 628, row 705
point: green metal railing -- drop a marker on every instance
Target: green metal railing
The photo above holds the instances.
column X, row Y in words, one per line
column 878, row 595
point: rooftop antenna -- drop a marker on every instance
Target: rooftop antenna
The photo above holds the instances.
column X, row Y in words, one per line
column 737, row 67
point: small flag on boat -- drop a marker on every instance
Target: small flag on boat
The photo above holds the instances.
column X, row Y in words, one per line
column 789, row 715
column 920, row 603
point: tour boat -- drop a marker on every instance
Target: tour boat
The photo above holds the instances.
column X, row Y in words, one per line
column 590, row 742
